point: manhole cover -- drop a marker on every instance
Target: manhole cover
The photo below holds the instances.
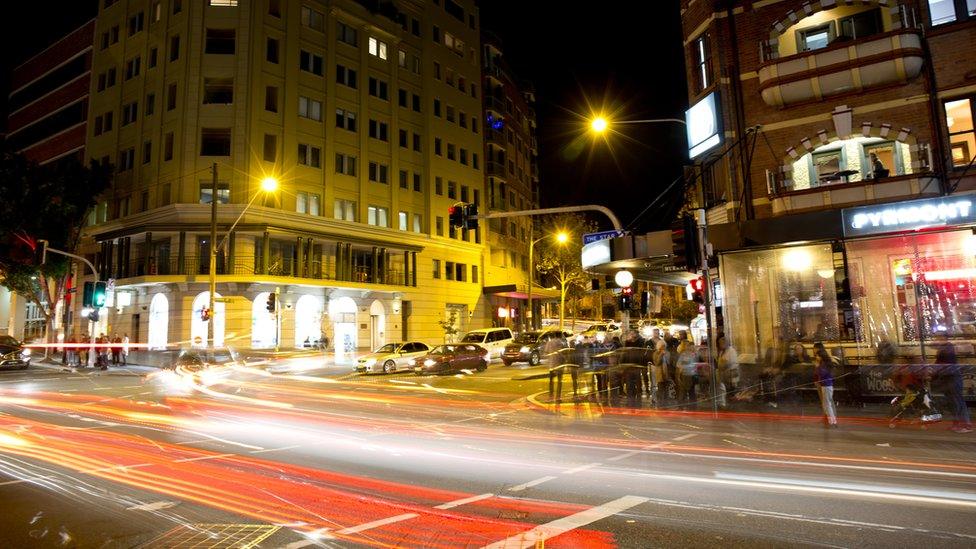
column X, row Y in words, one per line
column 213, row 536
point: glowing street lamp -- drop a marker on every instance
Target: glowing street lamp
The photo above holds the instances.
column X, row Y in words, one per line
column 561, row 237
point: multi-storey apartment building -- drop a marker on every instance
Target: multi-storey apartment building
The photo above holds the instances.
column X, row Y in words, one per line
column 369, row 116
column 833, row 149
column 511, row 183
column 48, row 106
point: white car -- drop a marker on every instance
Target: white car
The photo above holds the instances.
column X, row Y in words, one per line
column 391, row 357
column 493, row 339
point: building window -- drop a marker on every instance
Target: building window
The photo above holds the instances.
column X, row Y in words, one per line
column 153, row 57
column 947, row 11
column 439, row 226
column 309, row 156
column 346, row 34
column 416, row 103
column 313, row 19
column 404, row 220
column 274, row 8
column 309, row 108
column 451, row 151
column 271, row 98
column 416, row 182
column 377, row 216
column 418, row 223
column 218, row 91
column 346, row 120
column 127, row 159
column 346, row 76
column 345, row 210
column 438, row 186
column 437, row 108
column 437, row 268
column 130, row 111
column 378, row 88
column 270, row 147
column 132, row 67
column 474, row 274
column 449, row 270
column 215, row 142
column 959, row 122
column 403, row 138
column 150, row 103
column 378, row 172
column 271, row 50
column 345, row 164
column 815, row 38
column 309, row 62
column 416, row 142
column 404, row 179
column 463, row 156
column 415, row 27
column 377, row 48
column 378, row 130
column 168, row 146
column 171, row 97
column 450, row 114
column 136, row 23
column 437, row 146
column 147, row 153
column 206, row 193
column 220, row 41
column 402, row 59
column 464, row 193
column 452, row 190
column 174, row 48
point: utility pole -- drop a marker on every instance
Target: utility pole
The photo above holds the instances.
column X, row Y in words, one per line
column 213, row 257
column 703, row 253
column 91, row 323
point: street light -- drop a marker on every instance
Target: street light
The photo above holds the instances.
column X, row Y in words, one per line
column 562, row 237
column 268, row 184
column 599, row 125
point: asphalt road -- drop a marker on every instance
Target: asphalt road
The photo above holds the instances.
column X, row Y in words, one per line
column 318, row 457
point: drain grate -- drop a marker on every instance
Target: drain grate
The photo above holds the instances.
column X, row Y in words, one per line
column 213, row 536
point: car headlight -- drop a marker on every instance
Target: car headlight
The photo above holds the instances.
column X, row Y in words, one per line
column 412, row 362
column 524, row 349
column 25, row 353
column 430, row 362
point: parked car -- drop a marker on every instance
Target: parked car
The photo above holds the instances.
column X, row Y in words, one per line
column 493, row 339
column 598, row 333
column 13, row 354
column 451, row 358
column 391, row 357
column 531, row 346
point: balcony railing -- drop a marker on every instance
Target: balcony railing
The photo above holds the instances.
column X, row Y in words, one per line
column 846, row 67
column 495, row 137
column 495, row 169
column 495, row 104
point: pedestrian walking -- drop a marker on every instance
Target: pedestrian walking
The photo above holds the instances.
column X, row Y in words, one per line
column 727, row 364
column 116, row 349
column 125, row 349
column 687, row 367
column 824, row 380
column 948, row 378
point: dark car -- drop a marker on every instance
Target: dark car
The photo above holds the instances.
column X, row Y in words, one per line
column 532, row 347
column 451, row 358
column 13, row 355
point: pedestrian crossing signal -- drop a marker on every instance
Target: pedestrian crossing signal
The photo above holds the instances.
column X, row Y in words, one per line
column 99, row 295
column 272, row 302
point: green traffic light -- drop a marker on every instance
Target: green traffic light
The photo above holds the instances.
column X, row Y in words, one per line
column 98, row 296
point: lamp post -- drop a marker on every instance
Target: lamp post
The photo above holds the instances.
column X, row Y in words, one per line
column 268, row 184
column 562, row 238
column 600, row 125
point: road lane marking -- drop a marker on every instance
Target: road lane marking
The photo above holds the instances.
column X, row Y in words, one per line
column 539, row 534
column 654, row 446
column 531, row 483
column 684, row 437
column 581, row 468
column 204, row 458
column 465, row 501
column 377, row 523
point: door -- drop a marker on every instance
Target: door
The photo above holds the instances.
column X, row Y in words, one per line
column 406, row 309
column 136, row 336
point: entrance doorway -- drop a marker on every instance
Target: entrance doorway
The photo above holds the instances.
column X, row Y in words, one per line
column 136, row 322
column 342, row 311
column 308, row 321
column 158, row 322
column 377, row 325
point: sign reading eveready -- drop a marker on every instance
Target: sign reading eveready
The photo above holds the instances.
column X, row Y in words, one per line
column 703, row 127
column 909, row 216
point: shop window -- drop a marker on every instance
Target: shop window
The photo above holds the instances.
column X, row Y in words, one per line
column 849, row 161
column 947, row 11
column 702, row 55
column 814, row 38
column 860, row 25
column 959, row 122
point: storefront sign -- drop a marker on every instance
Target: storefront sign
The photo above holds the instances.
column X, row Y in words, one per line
column 909, row 216
column 596, row 253
column 703, row 125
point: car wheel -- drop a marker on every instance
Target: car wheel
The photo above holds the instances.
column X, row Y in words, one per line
column 483, row 366
column 534, row 358
column 507, row 362
column 389, row 367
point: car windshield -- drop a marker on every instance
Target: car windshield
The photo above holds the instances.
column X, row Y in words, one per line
column 8, row 340
column 442, row 350
column 389, row 348
column 473, row 338
column 199, row 357
column 528, row 337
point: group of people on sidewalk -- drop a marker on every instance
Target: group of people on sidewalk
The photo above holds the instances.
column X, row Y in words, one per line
column 106, row 349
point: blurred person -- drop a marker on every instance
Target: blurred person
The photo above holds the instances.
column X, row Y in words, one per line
column 824, row 380
column 727, row 364
column 659, row 369
column 878, row 169
column 116, row 348
column 125, row 348
column 948, row 380
column 687, row 369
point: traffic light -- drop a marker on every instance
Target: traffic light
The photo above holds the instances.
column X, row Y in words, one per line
column 468, row 220
column 98, row 295
column 87, row 293
column 697, row 290
column 272, row 302
column 626, row 300
column 40, row 252
column 205, row 314
column 455, row 216
column 684, row 244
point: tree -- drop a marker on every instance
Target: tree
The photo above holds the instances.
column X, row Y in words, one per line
column 50, row 203
column 450, row 326
column 562, row 261
column 674, row 308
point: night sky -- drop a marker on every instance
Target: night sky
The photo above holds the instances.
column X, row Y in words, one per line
column 608, row 57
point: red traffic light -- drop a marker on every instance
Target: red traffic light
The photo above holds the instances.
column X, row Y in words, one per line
column 698, row 284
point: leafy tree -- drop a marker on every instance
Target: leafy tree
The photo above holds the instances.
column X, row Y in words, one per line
column 450, row 326
column 561, row 260
column 675, row 308
column 50, row 203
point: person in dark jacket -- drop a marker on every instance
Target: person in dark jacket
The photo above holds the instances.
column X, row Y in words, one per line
column 824, row 379
column 948, row 376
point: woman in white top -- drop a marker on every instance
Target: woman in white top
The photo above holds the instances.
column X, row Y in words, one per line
column 727, row 363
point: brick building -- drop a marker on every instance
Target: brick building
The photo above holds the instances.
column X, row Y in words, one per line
column 832, row 143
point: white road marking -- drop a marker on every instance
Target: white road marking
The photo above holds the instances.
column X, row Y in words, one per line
column 264, row 450
column 154, row 506
column 539, row 534
column 581, row 468
column 465, row 501
column 378, row 523
column 684, row 437
column 624, row 455
column 530, row 484
column 203, row 458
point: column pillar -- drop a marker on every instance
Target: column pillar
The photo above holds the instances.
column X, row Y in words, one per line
column 231, row 252
column 406, row 269
column 413, row 270
column 147, row 256
column 265, row 253
column 299, row 269
column 181, row 254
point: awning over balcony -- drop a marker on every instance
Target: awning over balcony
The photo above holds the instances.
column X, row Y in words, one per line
column 882, row 59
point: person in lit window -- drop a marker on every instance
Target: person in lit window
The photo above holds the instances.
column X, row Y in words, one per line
column 878, row 169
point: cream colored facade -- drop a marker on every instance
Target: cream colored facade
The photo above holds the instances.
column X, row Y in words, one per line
column 320, row 238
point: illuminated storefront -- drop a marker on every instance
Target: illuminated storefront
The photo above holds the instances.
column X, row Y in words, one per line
column 902, row 273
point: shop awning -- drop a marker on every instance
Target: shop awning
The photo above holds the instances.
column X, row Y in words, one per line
column 647, row 257
column 520, row 291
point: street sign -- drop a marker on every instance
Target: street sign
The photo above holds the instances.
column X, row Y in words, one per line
column 110, row 285
column 590, row 238
column 221, row 300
